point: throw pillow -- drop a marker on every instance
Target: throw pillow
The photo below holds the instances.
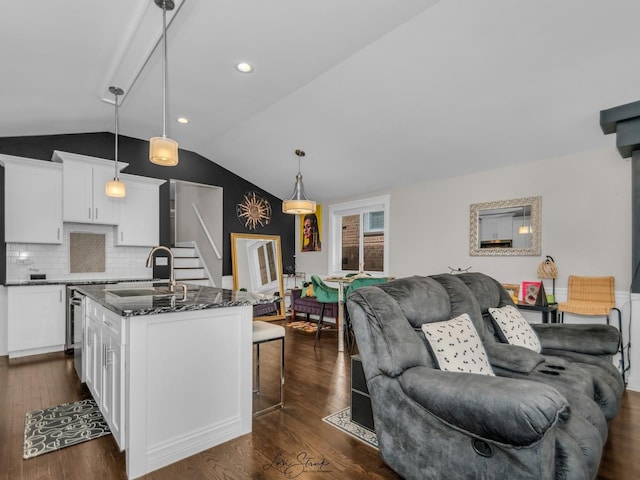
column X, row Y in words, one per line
column 456, row 346
column 307, row 291
column 514, row 328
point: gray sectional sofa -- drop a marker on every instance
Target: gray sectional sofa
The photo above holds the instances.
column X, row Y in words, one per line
column 523, row 414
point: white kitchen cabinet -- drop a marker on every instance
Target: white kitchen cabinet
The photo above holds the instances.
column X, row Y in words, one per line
column 139, row 223
column 105, row 363
column 496, row 228
column 520, row 240
column 84, row 198
column 36, row 319
column 92, row 355
column 33, row 200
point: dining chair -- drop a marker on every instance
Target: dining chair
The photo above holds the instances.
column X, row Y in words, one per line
column 593, row 296
column 356, row 283
column 324, row 295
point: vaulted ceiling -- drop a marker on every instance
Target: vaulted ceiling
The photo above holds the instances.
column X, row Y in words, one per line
column 379, row 93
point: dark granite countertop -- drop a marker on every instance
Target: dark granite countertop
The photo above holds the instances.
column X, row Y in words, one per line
column 68, row 282
column 129, row 299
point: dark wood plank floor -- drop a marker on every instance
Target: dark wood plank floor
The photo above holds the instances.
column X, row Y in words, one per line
column 317, row 384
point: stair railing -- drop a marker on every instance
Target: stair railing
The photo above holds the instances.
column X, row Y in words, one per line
column 206, row 231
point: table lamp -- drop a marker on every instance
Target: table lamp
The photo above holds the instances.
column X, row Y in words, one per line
column 548, row 269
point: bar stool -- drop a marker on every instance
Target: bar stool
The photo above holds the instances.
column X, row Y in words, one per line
column 267, row 332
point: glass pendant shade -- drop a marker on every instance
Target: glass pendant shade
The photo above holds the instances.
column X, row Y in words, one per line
column 524, row 229
column 298, row 204
column 163, row 151
column 115, row 188
column 298, row 207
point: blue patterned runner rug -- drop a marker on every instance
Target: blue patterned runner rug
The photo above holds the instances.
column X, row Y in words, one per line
column 342, row 421
column 62, row 426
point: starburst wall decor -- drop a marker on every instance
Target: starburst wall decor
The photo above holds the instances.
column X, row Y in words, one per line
column 254, row 210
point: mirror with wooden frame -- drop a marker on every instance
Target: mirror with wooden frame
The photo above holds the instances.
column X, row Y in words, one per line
column 506, row 227
column 257, row 267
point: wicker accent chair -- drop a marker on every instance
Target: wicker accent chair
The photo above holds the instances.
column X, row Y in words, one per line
column 593, row 296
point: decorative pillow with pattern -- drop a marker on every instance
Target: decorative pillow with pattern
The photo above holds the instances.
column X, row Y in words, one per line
column 456, row 346
column 514, row 328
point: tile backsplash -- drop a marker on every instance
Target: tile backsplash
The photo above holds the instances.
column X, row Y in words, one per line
column 87, row 252
column 55, row 260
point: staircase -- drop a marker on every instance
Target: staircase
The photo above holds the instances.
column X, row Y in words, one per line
column 188, row 266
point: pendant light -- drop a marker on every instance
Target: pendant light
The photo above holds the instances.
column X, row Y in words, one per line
column 298, row 204
column 524, row 229
column 116, row 188
column 162, row 150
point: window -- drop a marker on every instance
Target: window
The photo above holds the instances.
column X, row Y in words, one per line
column 359, row 234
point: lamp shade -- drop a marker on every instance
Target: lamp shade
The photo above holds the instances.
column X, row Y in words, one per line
column 163, row 151
column 298, row 204
column 548, row 268
column 115, row 188
column 524, row 229
column 298, row 207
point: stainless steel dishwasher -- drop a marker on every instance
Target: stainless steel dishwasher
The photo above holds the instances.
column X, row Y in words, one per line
column 75, row 333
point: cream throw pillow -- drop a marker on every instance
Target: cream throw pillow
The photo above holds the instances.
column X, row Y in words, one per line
column 456, row 346
column 514, row 327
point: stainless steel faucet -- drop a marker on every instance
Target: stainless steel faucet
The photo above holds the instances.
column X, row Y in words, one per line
column 172, row 274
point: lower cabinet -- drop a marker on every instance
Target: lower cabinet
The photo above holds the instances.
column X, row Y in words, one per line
column 35, row 319
column 105, row 362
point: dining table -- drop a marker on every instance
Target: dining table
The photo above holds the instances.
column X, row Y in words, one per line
column 342, row 281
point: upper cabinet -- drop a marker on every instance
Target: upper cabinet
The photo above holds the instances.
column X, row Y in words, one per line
column 139, row 223
column 496, row 228
column 84, row 179
column 33, row 200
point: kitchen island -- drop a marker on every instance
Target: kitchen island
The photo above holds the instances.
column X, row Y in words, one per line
column 171, row 372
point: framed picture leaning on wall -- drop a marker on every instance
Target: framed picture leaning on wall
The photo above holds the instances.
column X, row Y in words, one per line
column 531, row 294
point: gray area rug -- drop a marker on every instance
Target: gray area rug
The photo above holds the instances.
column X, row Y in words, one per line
column 62, row 426
column 342, row 420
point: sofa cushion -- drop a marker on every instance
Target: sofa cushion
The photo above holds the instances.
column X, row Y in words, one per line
column 456, row 346
column 514, row 328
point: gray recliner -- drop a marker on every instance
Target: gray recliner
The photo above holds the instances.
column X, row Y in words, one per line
column 434, row 424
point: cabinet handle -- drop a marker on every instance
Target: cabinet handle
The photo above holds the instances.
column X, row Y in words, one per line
column 106, row 322
column 109, row 358
column 89, row 213
column 96, row 213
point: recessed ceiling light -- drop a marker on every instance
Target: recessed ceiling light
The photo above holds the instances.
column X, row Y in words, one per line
column 244, row 67
column 182, row 120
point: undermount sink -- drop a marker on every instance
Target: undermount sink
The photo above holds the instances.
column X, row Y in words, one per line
column 141, row 292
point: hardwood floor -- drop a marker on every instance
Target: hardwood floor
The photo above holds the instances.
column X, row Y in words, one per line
column 317, row 384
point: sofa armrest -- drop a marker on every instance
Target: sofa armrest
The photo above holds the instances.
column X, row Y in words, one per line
column 506, row 410
column 513, row 357
column 583, row 338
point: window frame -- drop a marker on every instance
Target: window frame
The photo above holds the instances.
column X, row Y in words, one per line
column 337, row 211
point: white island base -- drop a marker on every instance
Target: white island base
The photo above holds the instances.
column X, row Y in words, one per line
column 187, row 384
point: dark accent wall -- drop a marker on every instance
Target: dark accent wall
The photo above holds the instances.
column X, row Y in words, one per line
column 192, row 167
